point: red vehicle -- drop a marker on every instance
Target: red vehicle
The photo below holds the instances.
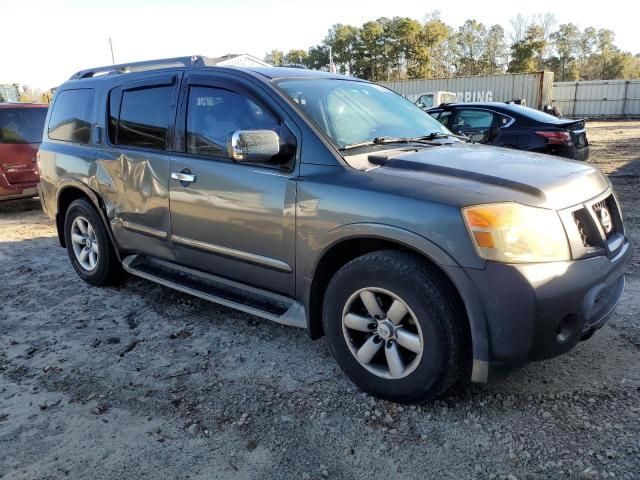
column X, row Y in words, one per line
column 21, row 126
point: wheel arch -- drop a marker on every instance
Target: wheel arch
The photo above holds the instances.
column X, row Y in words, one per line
column 68, row 192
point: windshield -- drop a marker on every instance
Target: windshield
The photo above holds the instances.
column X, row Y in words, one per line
column 352, row 112
column 22, row 125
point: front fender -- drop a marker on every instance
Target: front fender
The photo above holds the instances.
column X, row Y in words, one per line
column 383, row 232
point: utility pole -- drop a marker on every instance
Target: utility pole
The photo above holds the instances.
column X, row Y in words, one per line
column 113, row 59
column 331, row 66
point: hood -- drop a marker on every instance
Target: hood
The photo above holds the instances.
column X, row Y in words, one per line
column 472, row 174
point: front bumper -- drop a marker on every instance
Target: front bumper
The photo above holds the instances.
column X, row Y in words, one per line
column 538, row 311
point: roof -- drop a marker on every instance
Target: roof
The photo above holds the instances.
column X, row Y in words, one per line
column 199, row 62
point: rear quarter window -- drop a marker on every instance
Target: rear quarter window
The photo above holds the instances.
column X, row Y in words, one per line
column 70, row 119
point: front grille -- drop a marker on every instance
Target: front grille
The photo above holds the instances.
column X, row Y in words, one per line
column 599, row 226
column 605, row 214
column 581, row 230
column 588, row 231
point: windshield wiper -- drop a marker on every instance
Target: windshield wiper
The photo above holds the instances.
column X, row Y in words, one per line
column 425, row 140
column 435, row 135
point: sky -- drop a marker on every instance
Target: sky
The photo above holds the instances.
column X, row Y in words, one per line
column 50, row 40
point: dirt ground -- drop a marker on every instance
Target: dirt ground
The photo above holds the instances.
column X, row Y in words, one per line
column 140, row 381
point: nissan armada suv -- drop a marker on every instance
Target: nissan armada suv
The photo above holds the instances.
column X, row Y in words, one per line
column 333, row 204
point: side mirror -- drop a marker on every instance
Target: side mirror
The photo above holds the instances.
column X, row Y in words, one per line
column 421, row 105
column 253, row 145
column 477, row 137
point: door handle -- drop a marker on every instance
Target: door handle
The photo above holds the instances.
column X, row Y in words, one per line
column 184, row 176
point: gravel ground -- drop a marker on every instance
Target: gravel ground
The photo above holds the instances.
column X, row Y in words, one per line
column 142, row 382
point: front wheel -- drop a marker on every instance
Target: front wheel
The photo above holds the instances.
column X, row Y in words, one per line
column 394, row 327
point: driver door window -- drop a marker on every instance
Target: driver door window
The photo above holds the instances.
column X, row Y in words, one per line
column 214, row 114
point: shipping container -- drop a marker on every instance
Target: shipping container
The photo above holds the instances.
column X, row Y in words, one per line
column 598, row 98
column 534, row 88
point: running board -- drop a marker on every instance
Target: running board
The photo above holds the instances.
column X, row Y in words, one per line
column 255, row 301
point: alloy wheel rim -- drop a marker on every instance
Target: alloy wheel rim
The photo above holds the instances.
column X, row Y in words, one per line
column 84, row 243
column 382, row 333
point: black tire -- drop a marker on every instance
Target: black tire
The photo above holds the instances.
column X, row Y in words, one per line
column 433, row 305
column 107, row 269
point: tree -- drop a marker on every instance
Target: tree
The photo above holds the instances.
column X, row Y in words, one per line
column 407, row 55
column 525, row 54
column 402, row 47
column 343, row 41
column 470, row 43
column 606, row 49
column 519, row 26
column 370, row 51
column 435, row 38
column 295, row 57
column 495, row 51
column 317, row 58
column 566, row 41
column 275, row 58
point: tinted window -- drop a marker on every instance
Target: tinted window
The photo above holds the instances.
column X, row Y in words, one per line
column 70, row 119
column 537, row 115
column 474, row 119
column 145, row 116
column 213, row 114
column 22, row 125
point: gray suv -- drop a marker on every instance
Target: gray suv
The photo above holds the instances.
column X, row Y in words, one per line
column 332, row 204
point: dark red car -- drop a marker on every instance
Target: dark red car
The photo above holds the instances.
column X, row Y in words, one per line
column 21, row 126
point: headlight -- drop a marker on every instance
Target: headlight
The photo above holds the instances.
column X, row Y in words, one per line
column 514, row 233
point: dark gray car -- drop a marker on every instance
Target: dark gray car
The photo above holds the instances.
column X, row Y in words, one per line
column 333, row 204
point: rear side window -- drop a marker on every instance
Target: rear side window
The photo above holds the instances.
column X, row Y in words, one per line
column 22, row 125
column 143, row 117
column 71, row 116
column 474, row 119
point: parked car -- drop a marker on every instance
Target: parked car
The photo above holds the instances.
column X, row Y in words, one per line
column 516, row 126
column 21, row 126
column 331, row 203
column 431, row 99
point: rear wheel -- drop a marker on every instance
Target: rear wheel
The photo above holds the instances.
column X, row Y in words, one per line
column 393, row 326
column 88, row 245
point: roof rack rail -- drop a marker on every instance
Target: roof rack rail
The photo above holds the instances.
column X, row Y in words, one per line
column 193, row 61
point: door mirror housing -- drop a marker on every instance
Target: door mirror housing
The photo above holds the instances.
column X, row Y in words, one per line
column 253, row 145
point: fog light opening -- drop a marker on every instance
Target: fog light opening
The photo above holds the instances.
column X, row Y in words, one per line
column 566, row 328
